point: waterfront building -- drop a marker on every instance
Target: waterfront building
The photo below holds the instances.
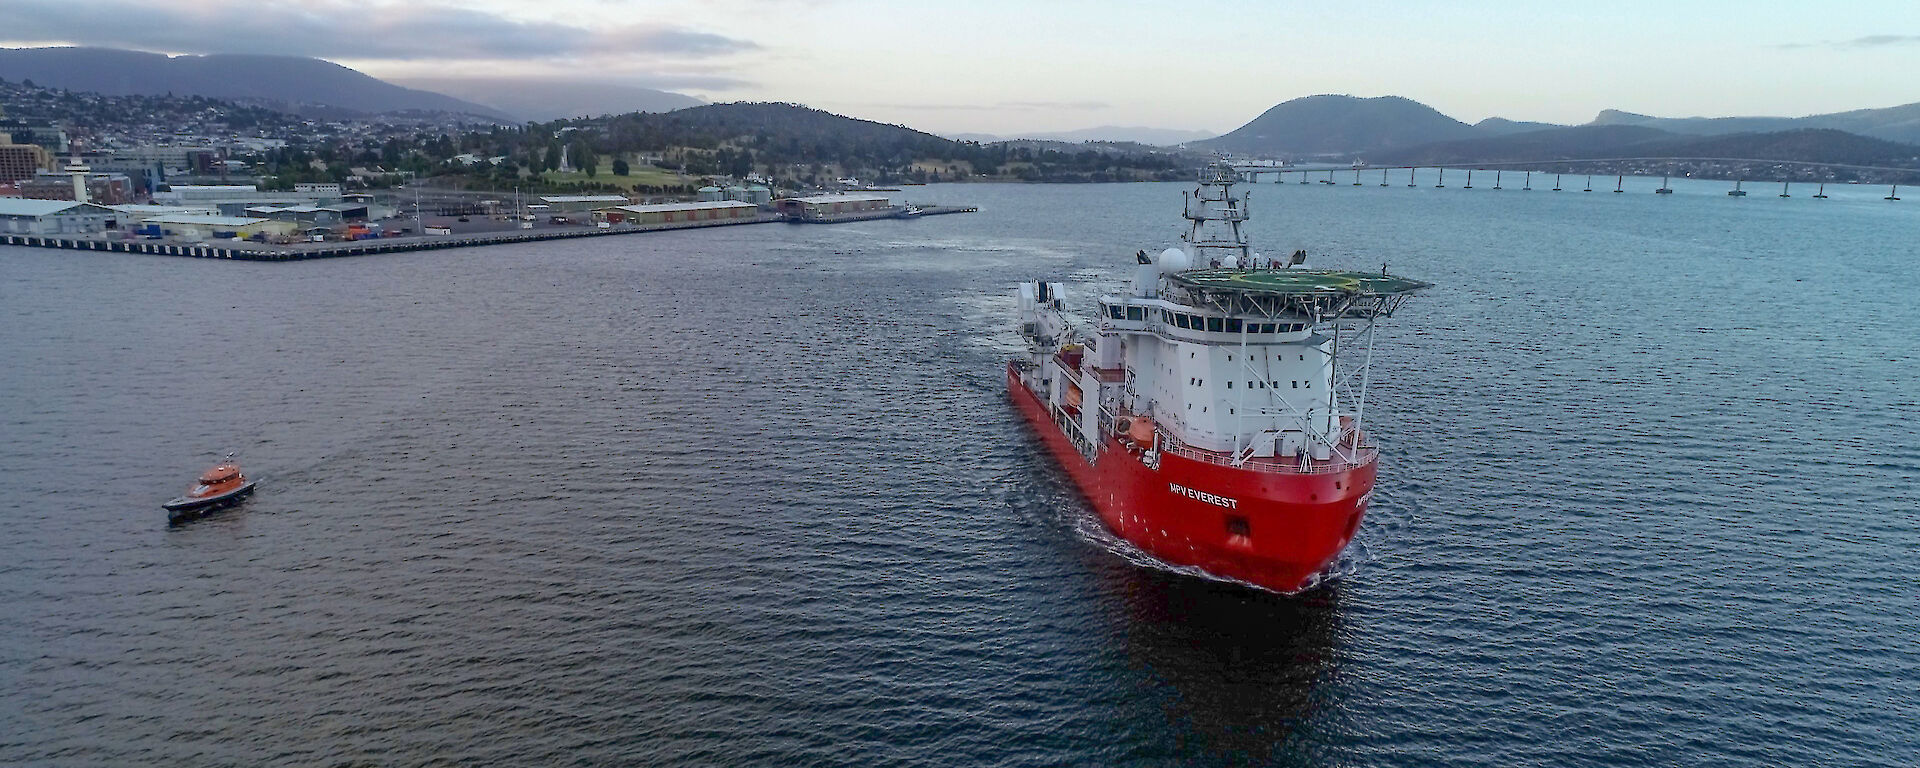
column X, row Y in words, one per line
column 20, row 216
column 669, row 213
column 193, row 194
column 234, row 199
column 203, row 227
column 820, row 206
column 134, row 213
column 309, row 215
column 577, row 203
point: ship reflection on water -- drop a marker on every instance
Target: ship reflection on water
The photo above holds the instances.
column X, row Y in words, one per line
column 1240, row 675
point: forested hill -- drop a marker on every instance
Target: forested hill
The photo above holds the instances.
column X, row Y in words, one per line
column 806, row 147
column 777, row 132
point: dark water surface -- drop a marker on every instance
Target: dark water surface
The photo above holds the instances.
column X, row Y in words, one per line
column 753, row 496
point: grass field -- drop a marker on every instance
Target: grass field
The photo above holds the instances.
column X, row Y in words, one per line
column 638, row 175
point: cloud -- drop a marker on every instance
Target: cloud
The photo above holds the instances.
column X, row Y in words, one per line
column 346, row 29
column 1877, row 41
column 1077, row 106
column 1858, row 43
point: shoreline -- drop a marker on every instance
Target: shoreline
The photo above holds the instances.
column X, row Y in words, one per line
column 249, row 251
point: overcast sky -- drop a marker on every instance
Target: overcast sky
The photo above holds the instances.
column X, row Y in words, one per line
column 1005, row 67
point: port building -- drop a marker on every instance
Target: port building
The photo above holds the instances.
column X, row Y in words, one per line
column 21, row 216
column 576, row 203
column 826, row 206
column 203, row 227
column 671, row 213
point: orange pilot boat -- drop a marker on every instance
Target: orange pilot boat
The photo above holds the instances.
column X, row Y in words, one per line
column 219, row 486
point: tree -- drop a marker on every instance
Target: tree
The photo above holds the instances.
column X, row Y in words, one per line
column 620, row 167
column 584, row 158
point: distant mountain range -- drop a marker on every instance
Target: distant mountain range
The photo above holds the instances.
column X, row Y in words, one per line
column 286, row 82
column 1163, row 137
column 1387, row 129
column 1901, row 124
column 1393, row 127
column 543, row 99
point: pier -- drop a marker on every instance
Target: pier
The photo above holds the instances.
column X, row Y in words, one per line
column 253, row 251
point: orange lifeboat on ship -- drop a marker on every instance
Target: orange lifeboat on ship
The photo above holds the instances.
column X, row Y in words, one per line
column 221, row 485
column 1140, row 428
column 1073, row 396
column 1135, row 429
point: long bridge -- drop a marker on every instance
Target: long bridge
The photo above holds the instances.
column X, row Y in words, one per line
column 1252, row 172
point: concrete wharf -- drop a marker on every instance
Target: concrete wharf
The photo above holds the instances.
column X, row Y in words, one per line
column 252, row 251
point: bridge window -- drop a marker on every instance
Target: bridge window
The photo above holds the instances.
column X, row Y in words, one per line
column 1214, row 324
column 1115, row 312
column 1181, row 320
column 1233, row 325
column 1136, row 313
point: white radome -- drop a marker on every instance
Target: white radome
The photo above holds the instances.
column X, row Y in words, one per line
column 1174, row 260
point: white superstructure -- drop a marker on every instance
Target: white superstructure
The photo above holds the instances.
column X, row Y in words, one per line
column 1225, row 352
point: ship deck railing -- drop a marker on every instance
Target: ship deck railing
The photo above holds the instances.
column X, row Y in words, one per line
column 1360, row 456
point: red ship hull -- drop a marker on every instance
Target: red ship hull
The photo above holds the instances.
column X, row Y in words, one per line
column 1276, row 530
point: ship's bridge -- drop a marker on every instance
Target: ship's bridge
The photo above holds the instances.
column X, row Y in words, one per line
column 1133, row 315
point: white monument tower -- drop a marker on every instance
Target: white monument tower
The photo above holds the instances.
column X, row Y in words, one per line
column 79, row 171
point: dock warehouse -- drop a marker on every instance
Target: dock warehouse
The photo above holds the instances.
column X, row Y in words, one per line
column 573, row 203
column 667, row 213
column 21, row 216
column 309, row 215
column 203, row 227
column 828, row 205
